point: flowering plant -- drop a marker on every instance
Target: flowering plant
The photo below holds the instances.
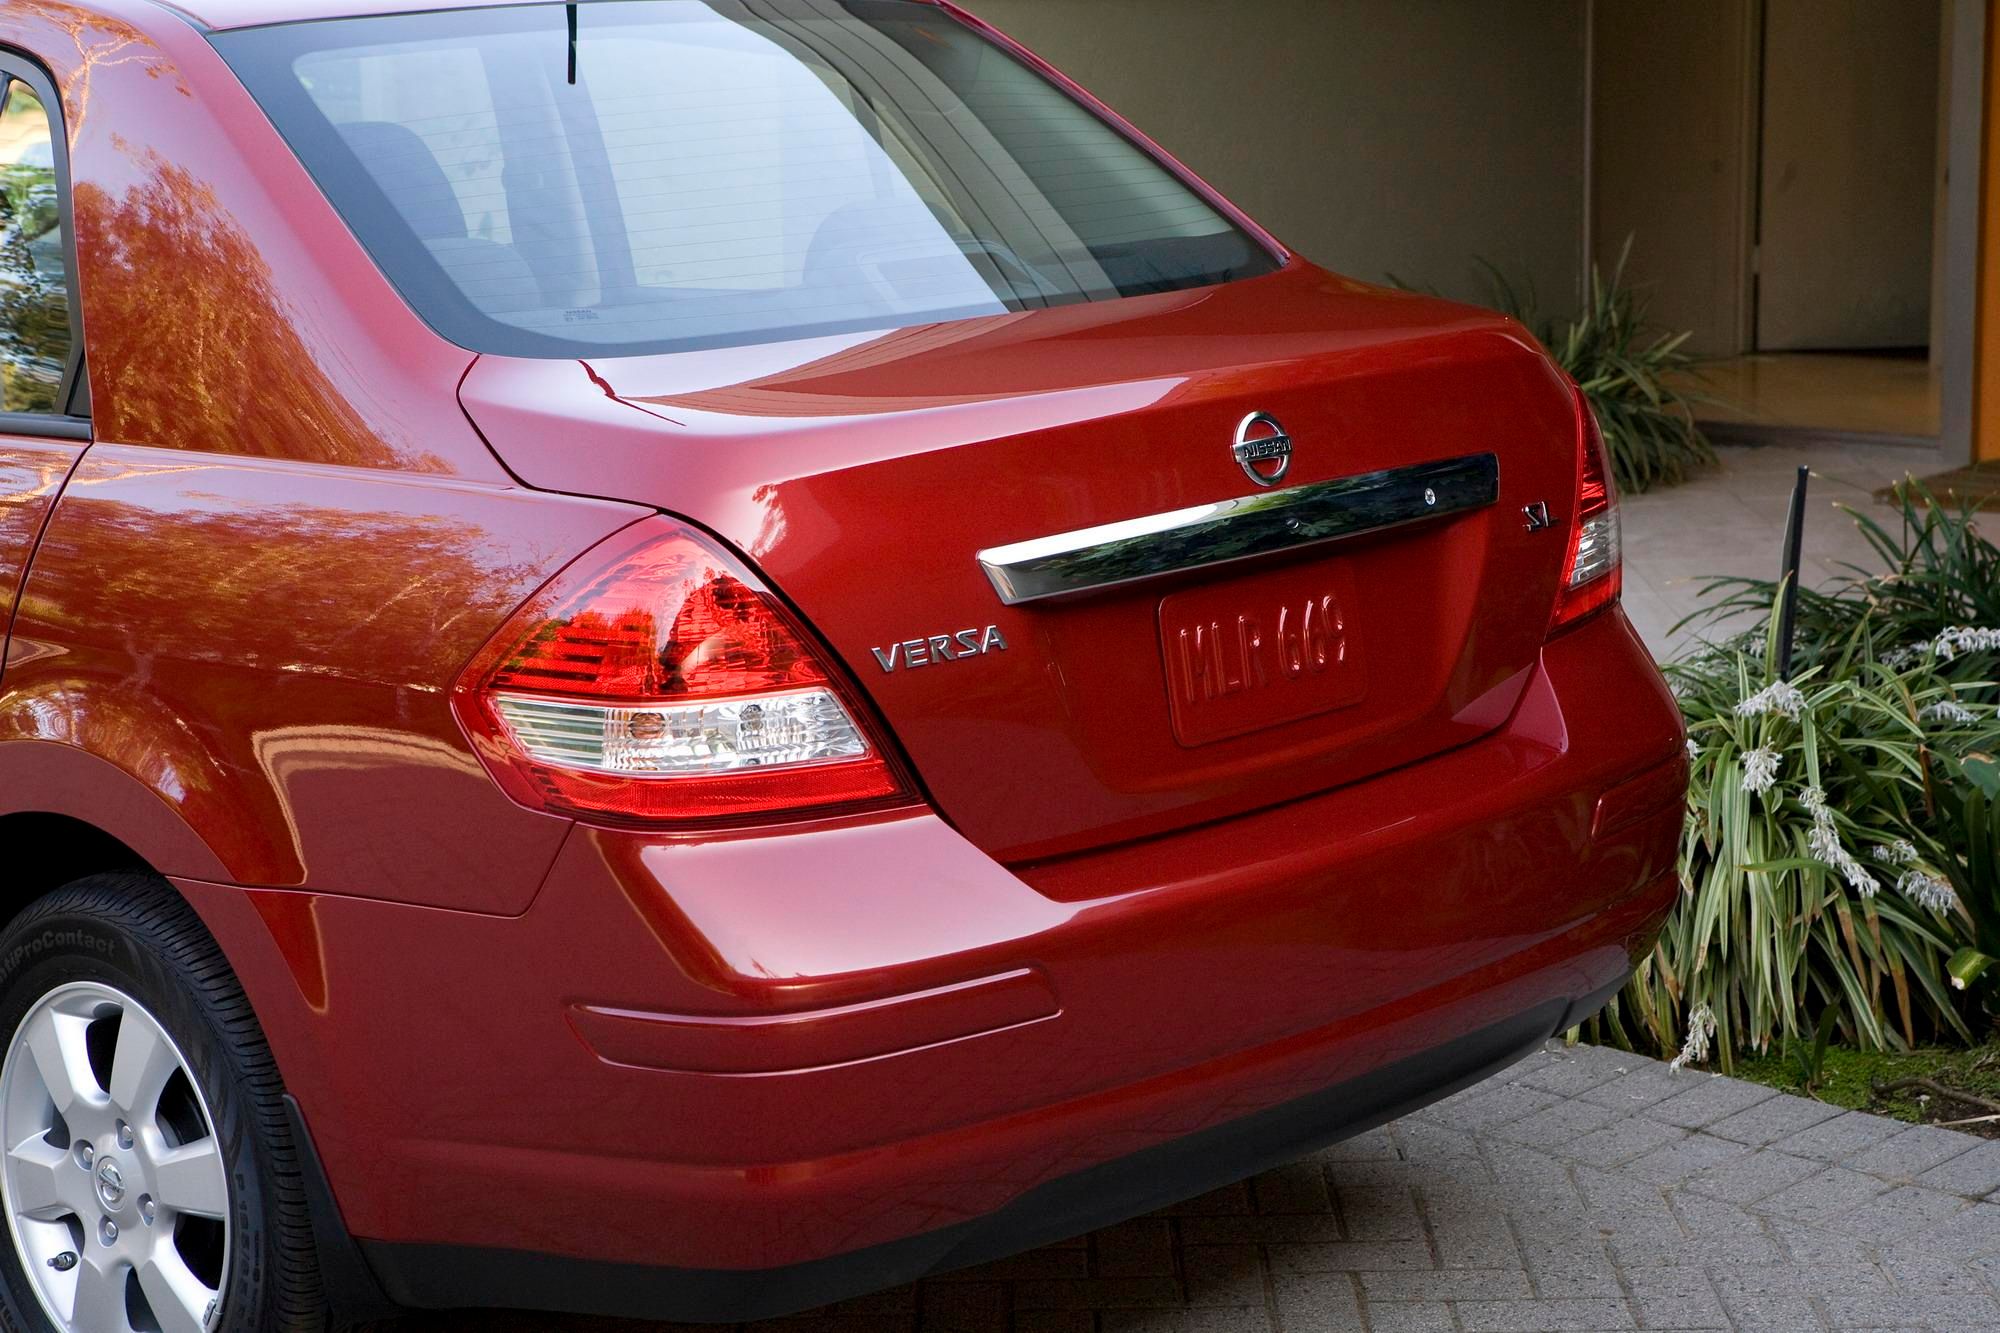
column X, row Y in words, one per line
column 1816, row 871
column 1833, row 861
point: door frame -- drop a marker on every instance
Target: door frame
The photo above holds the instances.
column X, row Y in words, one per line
column 71, row 421
column 1964, row 145
column 1750, row 181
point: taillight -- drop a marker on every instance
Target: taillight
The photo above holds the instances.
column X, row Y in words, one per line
column 656, row 681
column 1594, row 572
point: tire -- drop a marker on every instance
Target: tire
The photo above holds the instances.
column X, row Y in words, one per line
column 116, row 971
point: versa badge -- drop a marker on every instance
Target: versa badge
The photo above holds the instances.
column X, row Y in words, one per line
column 941, row 648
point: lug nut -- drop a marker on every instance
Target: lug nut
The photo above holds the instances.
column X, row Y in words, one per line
column 83, row 1153
column 124, row 1135
column 107, row 1231
column 146, row 1210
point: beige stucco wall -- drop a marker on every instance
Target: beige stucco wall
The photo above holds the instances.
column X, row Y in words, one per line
column 1404, row 137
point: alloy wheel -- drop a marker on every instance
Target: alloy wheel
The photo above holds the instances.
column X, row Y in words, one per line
column 114, row 1185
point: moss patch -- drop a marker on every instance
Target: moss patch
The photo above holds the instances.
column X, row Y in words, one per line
column 1850, row 1078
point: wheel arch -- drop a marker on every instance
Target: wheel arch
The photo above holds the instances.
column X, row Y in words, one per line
column 71, row 813
column 50, row 850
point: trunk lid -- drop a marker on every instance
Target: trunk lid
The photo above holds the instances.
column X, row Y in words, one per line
column 866, row 475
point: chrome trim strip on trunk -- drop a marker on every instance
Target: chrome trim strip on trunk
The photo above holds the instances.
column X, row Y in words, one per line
column 1090, row 559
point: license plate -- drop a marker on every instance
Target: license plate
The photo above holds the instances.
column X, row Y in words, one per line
column 1260, row 650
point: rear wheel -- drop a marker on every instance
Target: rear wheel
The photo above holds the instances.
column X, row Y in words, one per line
column 147, row 1172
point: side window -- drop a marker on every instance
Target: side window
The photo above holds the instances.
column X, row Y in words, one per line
column 34, row 258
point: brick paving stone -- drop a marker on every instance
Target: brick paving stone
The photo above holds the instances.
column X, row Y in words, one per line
column 1773, row 1314
column 1278, row 1229
column 1379, row 1213
column 1573, row 1072
column 1624, row 1139
column 1223, row 1275
column 1918, row 1149
column 1557, row 1125
column 1903, row 1210
column 1679, row 1298
column 1824, row 1194
column 1971, row 1234
column 1422, row 1140
column 1409, row 1317
column 1726, row 1233
column 1468, row 1235
column 1799, row 1279
column 1533, row 1184
column 1911, row 1267
column 1809, row 1246
column 1973, row 1174
column 1372, row 1145
column 1348, row 1257
column 1840, row 1137
column 1315, row 1302
column 1747, row 1179
column 1758, row 1298
column 1437, row 1287
column 1646, row 1085
column 1769, row 1121
column 1487, row 1109
column 1557, row 1316
column 1143, row 1247
column 1677, row 1161
column 1709, row 1098
column 1882, row 1309
column 1580, row 1280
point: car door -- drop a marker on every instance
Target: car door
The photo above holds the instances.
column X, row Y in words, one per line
column 44, row 396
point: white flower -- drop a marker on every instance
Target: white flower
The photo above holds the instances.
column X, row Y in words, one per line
column 1901, row 852
column 1928, row 891
column 1701, row 1027
column 1694, row 750
column 1824, row 842
column 1778, row 697
column 1918, row 885
column 1898, row 658
column 1965, row 639
column 1760, row 770
column 1948, row 710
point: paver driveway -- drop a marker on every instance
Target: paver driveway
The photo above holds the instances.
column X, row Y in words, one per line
column 1584, row 1189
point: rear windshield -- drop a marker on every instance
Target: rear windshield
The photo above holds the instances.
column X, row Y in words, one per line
column 661, row 175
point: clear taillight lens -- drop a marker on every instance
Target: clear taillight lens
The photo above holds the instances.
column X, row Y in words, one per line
column 658, row 682
column 1594, row 573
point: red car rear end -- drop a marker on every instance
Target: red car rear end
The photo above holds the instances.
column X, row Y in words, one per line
column 772, row 657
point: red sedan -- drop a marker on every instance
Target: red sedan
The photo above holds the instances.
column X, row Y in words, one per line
column 689, row 657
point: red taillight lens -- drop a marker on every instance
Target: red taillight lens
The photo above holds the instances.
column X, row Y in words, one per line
column 1594, row 572
column 657, row 682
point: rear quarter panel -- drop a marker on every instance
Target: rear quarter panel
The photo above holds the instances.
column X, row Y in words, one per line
column 268, row 647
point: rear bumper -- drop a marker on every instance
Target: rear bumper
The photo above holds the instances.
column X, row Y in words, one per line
column 729, row 1078
column 438, row 1276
